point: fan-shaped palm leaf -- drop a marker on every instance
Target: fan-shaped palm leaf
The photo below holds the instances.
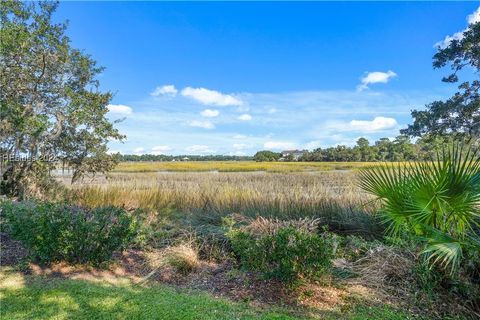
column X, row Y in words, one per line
column 437, row 200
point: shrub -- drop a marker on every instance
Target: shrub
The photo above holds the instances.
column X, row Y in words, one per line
column 60, row 232
column 183, row 258
column 287, row 253
column 436, row 201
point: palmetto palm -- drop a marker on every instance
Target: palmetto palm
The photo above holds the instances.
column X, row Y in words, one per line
column 439, row 201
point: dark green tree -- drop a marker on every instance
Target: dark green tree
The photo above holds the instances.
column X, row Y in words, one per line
column 266, row 155
column 459, row 115
column 50, row 102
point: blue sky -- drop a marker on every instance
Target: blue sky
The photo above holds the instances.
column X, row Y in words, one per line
column 235, row 78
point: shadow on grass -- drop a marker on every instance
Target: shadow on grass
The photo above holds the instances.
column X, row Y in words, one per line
column 24, row 297
column 28, row 297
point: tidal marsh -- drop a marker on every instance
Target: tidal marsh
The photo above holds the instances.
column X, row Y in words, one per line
column 332, row 196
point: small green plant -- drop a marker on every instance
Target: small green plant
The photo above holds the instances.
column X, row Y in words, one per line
column 436, row 201
column 287, row 253
column 60, row 232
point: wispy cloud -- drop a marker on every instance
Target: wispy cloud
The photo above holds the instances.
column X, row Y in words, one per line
column 375, row 77
column 209, row 113
column 201, row 124
column 471, row 19
column 161, row 149
column 210, row 97
column 279, row 145
column 240, row 146
column 239, row 136
column 245, row 117
column 365, row 126
column 166, row 90
column 119, row 109
column 303, row 119
column 199, row 149
column 139, row 151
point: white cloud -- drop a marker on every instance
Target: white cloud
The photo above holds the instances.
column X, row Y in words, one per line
column 278, row 145
column 375, row 77
column 139, row 151
column 201, row 124
column 272, row 110
column 471, row 18
column 199, row 148
column 210, row 113
column 245, row 117
column 166, row 90
column 119, row 109
column 312, row 145
column 239, row 136
column 302, row 117
column 237, row 153
column 377, row 124
column 210, row 97
column 474, row 17
column 240, row 146
column 160, row 149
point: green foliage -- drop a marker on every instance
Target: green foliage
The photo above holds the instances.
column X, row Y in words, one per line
column 51, row 106
column 59, row 232
column 459, row 114
column 400, row 149
column 438, row 201
column 266, row 155
column 289, row 254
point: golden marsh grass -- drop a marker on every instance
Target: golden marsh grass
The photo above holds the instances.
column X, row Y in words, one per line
column 238, row 166
column 332, row 196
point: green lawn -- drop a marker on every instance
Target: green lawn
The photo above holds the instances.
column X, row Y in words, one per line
column 38, row 298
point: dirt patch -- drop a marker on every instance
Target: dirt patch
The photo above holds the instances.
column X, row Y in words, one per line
column 12, row 252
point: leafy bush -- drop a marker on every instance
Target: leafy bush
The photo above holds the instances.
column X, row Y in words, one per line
column 60, row 232
column 287, row 253
column 437, row 201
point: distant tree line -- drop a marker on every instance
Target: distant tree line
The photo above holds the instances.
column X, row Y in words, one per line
column 399, row 149
column 402, row 148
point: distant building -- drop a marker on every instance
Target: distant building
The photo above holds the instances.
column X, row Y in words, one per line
column 292, row 155
column 185, row 158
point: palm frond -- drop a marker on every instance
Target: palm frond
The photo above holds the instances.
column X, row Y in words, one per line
column 439, row 200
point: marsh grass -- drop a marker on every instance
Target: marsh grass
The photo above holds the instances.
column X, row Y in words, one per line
column 333, row 197
column 238, row 166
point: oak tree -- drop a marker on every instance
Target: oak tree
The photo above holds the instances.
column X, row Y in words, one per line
column 51, row 106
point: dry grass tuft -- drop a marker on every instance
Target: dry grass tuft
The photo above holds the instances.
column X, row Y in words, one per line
column 184, row 258
column 385, row 267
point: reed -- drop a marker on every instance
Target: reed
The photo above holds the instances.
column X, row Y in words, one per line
column 331, row 196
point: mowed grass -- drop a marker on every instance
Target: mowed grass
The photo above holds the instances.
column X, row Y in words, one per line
column 238, row 166
column 29, row 297
column 39, row 298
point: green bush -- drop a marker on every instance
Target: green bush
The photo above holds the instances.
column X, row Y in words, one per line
column 289, row 254
column 60, row 232
column 435, row 201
